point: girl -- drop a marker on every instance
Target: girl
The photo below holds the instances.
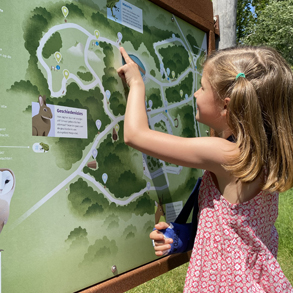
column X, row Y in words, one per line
column 246, row 94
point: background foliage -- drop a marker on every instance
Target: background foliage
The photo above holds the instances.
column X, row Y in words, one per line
column 266, row 22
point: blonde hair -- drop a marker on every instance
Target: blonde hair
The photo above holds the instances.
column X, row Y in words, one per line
column 260, row 112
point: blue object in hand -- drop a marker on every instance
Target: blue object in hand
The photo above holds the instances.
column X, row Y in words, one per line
column 180, row 233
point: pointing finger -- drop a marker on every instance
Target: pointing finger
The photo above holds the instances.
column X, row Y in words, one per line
column 125, row 55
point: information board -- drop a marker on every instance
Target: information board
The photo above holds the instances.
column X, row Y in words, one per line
column 77, row 204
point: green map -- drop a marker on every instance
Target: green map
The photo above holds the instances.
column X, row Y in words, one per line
column 77, row 204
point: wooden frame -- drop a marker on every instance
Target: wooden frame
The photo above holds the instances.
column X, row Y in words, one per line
column 199, row 13
column 131, row 279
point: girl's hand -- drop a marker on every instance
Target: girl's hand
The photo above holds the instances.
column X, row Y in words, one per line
column 129, row 72
column 160, row 243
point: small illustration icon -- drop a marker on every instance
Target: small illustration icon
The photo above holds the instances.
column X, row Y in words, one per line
column 97, row 34
column 105, row 178
column 181, row 93
column 148, row 185
column 111, row 4
column 66, row 73
column 98, row 124
column 7, row 186
column 173, row 74
column 150, row 103
column 114, row 134
column 41, row 123
column 108, row 95
column 65, row 11
column 92, row 165
column 45, row 147
column 94, row 153
column 119, row 35
column 58, row 56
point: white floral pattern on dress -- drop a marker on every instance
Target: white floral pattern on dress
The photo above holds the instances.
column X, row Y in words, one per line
column 236, row 245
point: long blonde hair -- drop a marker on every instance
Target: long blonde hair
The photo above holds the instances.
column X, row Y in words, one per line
column 260, row 112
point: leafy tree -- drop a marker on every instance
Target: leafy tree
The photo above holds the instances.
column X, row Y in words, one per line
column 273, row 28
column 259, row 6
column 248, row 12
column 244, row 17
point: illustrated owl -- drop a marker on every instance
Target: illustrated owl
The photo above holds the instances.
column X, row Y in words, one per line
column 7, row 186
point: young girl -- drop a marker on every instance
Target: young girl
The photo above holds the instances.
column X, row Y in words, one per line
column 246, row 94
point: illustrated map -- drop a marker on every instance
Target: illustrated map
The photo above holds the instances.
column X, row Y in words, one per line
column 76, row 203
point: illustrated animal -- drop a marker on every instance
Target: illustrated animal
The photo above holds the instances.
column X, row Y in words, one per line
column 7, row 186
column 160, row 211
column 44, row 146
column 42, row 122
column 112, row 4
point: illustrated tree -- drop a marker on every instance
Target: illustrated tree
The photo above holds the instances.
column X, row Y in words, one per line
column 175, row 58
column 194, row 45
column 173, row 93
column 77, row 236
column 154, row 95
column 52, row 45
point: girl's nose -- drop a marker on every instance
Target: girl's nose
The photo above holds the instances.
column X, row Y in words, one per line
column 195, row 94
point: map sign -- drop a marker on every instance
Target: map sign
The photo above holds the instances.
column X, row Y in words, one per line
column 77, row 204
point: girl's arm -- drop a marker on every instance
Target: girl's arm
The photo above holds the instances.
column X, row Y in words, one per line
column 207, row 153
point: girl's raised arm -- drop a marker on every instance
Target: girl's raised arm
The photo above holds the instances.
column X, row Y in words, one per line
column 207, row 153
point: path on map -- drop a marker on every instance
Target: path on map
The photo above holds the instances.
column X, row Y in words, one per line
column 115, row 120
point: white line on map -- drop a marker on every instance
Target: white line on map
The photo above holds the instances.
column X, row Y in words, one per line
column 15, row 146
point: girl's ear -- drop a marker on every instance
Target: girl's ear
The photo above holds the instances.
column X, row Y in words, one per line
column 226, row 101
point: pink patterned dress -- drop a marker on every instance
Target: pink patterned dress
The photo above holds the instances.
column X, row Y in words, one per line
column 236, row 245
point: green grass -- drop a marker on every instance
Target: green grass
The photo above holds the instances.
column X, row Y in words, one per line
column 284, row 227
column 173, row 281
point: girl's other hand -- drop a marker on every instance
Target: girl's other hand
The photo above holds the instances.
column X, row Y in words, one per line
column 160, row 242
column 129, row 72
